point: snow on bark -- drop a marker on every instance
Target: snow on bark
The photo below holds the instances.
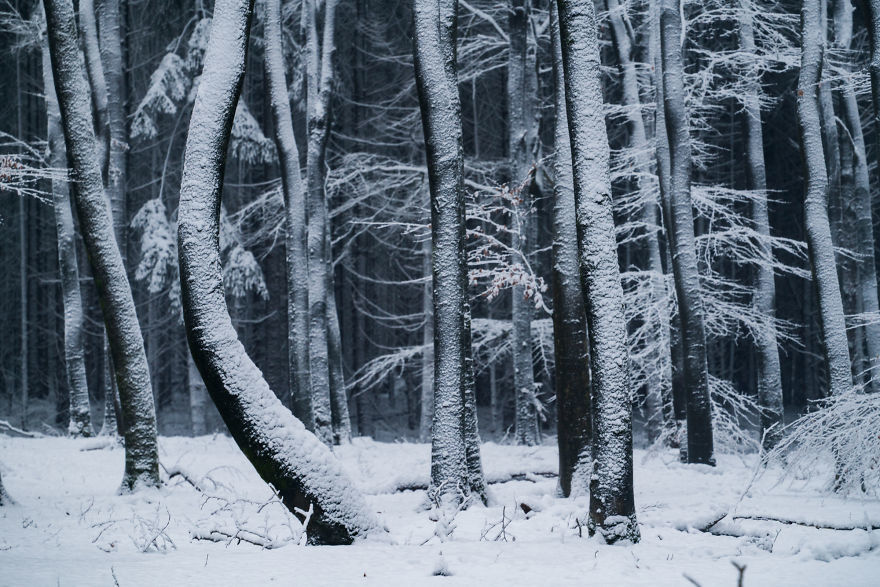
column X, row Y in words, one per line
column 112, row 424
column 319, row 69
column 95, row 70
column 80, row 419
column 873, row 17
column 4, row 499
column 96, row 222
column 769, row 375
column 571, row 355
column 301, row 469
column 435, row 23
column 296, row 255
column 612, row 507
column 427, row 370
column 680, row 227
column 818, row 228
column 340, row 419
column 522, row 140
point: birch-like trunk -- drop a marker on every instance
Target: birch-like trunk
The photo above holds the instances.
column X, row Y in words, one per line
column 427, row 413
column 97, row 82
column 117, row 304
column 301, row 469
column 764, row 300
column 521, row 142
column 700, row 448
column 818, row 228
column 80, row 418
column 612, row 505
column 296, row 255
column 454, row 454
column 571, row 355
column 339, row 417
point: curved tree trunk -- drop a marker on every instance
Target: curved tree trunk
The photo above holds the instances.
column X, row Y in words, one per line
column 571, row 355
column 452, row 462
column 117, row 304
column 612, row 505
column 764, row 301
column 97, row 82
column 284, row 453
column 80, row 420
column 818, row 228
column 296, row 255
column 700, row 447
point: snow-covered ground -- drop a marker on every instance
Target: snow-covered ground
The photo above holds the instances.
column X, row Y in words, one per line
column 69, row 528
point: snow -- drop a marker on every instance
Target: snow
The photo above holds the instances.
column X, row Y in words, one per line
column 67, row 514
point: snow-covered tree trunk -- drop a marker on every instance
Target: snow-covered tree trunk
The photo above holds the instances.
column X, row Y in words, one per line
column 873, row 17
column 97, row 82
column 769, row 375
column 112, row 424
column 296, row 255
column 198, row 398
column 521, row 142
column 301, row 469
column 427, row 414
column 319, row 67
column 339, row 417
column 571, row 356
column 818, row 228
column 612, row 507
column 96, row 222
column 700, row 447
column 434, row 38
column 470, row 427
column 80, row 418
column 659, row 381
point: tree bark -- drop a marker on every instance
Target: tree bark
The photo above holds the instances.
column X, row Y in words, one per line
column 80, row 418
column 571, row 355
column 117, row 304
column 612, row 505
column 764, row 300
column 97, row 82
column 680, row 226
column 818, row 228
column 427, row 414
column 284, row 453
column 341, row 421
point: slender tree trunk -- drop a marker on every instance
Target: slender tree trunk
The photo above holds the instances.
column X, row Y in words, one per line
column 681, row 236
column 198, row 398
column 339, row 417
column 872, row 11
column 297, row 261
column 428, row 354
column 571, row 356
column 80, row 418
column 284, row 453
column 320, row 76
column 97, row 82
column 521, row 142
column 818, row 228
column 123, row 330
column 453, row 431
column 612, row 505
column 769, row 375
column 113, row 423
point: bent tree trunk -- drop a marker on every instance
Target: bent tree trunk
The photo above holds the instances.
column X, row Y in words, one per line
column 612, row 505
column 284, row 453
column 573, row 429
column 297, row 261
column 818, row 228
column 80, row 420
column 700, row 447
column 455, row 461
column 764, row 301
column 117, row 305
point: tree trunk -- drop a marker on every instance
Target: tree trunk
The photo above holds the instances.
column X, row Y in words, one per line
column 296, row 255
column 681, row 237
column 818, row 228
column 612, row 507
column 427, row 414
column 284, row 453
column 339, row 417
column 435, row 23
column 872, row 12
column 521, row 142
column 80, row 417
column 97, row 82
column 764, row 300
column 571, row 356
column 123, row 330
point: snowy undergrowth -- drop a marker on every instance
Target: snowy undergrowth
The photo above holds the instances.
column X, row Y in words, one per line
column 70, row 528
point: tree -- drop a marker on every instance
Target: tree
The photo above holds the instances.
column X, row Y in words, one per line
column 818, row 227
column 452, row 462
column 284, row 453
column 680, row 228
column 612, row 505
column 4, row 499
column 571, row 353
column 120, row 319
column 74, row 352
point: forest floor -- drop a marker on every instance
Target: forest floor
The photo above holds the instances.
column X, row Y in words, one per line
column 68, row 527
